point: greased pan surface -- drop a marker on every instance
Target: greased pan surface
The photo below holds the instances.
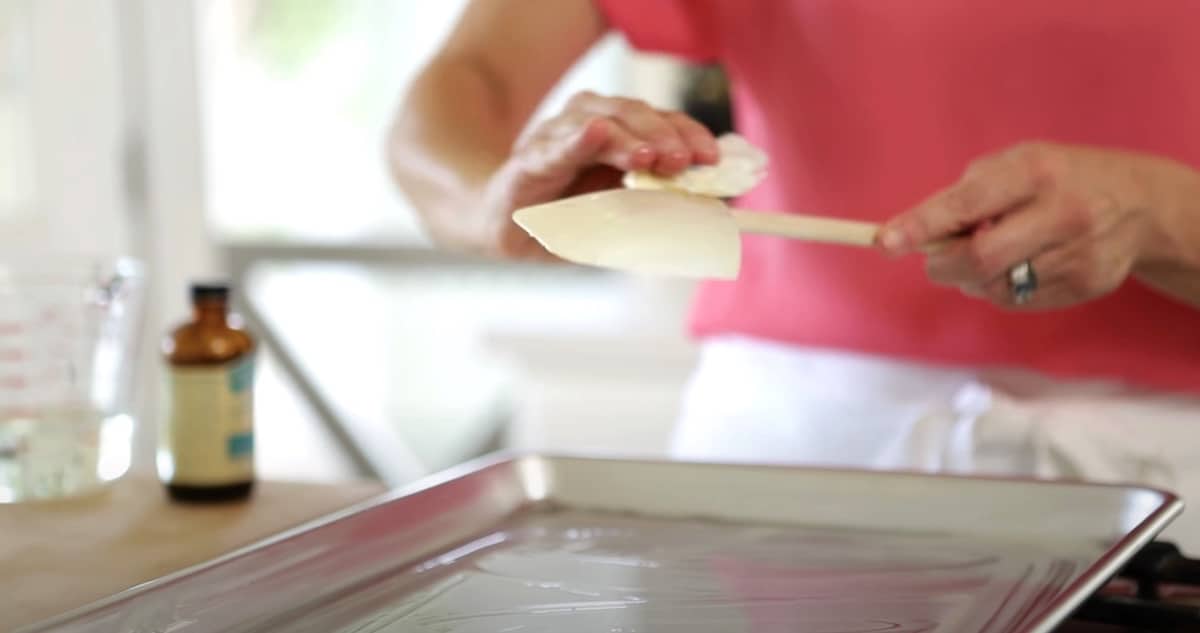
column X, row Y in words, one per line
column 543, row 543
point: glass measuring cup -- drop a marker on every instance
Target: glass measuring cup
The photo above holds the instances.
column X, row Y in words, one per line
column 68, row 335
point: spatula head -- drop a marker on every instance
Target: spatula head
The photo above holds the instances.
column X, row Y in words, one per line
column 640, row 231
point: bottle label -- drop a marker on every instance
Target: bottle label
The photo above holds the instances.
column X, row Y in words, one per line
column 210, row 424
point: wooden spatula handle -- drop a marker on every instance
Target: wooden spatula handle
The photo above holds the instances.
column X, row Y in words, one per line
column 806, row 227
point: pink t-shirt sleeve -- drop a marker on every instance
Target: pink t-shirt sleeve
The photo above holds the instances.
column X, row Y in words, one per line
column 676, row 27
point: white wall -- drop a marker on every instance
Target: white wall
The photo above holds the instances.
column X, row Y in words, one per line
column 74, row 96
column 166, row 136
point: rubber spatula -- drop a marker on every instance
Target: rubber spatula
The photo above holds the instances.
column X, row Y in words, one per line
column 669, row 232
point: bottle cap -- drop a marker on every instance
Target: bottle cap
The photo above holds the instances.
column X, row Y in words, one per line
column 210, row 291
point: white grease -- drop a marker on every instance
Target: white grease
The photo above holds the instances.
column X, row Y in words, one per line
column 740, row 168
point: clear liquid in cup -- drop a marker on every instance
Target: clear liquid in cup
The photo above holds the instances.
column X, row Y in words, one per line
column 61, row 452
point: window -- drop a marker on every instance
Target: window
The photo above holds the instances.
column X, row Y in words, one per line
column 298, row 99
column 16, row 142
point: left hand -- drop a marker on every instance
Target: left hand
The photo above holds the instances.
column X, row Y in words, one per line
column 1083, row 218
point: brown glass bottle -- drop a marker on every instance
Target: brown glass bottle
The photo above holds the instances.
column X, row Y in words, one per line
column 207, row 444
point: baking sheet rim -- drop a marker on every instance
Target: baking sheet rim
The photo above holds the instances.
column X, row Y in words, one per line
column 1091, row 580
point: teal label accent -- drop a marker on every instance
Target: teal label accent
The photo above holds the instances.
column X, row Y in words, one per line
column 241, row 445
column 241, row 377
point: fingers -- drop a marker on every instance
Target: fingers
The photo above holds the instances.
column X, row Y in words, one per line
column 1067, row 273
column 1043, row 204
column 672, row 153
column 580, row 145
column 988, row 189
column 675, row 139
column 586, row 147
column 625, row 134
column 619, row 148
column 992, row 249
column 569, row 143
column 1054, row 288
column 980, row 264
column 698, row 138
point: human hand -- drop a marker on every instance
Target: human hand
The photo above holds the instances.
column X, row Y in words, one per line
column 1084, row 218
column 586, row 148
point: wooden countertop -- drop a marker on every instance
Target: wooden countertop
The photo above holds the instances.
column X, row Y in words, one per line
column 57, row 556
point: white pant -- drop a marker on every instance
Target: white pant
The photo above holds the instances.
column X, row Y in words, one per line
column 755, row 401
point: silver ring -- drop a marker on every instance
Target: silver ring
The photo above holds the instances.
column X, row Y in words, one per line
column 1022, row 281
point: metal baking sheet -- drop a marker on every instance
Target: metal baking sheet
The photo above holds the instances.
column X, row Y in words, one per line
column 539, row 544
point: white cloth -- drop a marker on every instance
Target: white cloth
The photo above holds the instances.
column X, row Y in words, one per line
column 755, row 401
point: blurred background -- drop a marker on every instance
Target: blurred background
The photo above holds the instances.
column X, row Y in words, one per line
column 244, row 139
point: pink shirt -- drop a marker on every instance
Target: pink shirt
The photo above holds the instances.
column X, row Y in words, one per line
column 866, row 107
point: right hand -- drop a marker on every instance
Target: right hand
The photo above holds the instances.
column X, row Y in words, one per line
column 586, row 148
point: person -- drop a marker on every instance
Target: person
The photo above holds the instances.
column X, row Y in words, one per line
column 1051, row 147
